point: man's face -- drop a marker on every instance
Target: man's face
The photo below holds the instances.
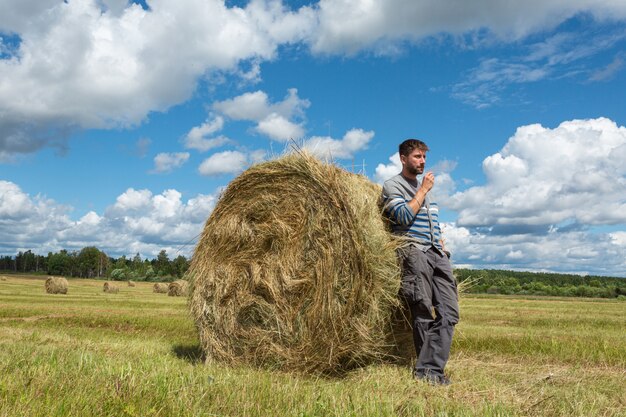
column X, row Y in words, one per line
column 414, row 162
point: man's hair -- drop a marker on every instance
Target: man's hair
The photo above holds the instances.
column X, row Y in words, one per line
column 409, row 145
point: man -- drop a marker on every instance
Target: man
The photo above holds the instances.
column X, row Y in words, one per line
column 428, row 286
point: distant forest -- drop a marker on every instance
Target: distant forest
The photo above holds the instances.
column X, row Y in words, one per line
column 493, row 281
column 90, row 262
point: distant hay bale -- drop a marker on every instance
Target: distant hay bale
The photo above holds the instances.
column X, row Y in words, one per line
column 178, row 288
column 160, row 288
column 56, row 285
column 110, row 288
column 295, row 269
column 131, row 283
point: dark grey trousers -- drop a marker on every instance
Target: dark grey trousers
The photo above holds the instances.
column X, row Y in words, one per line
column 429, row 288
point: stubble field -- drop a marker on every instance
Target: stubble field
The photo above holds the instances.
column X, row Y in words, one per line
column 136, row 353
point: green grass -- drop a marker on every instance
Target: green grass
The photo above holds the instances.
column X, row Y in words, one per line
column 136, row 353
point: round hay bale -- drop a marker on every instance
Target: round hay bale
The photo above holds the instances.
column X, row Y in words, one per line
column 110, row 288
column 160, row 288
column 56, row 285
column 178, row 288
column 295, row 269
column 131, row 283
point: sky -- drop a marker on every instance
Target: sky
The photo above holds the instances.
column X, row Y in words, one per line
column 121, row 122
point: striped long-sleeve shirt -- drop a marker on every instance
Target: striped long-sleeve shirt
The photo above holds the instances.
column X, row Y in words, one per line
column 423, row 226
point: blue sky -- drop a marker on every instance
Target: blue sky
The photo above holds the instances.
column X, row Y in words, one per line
column 120, row 122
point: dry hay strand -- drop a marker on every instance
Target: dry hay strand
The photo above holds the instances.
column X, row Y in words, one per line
column 296, row 270
column 131, row 283
column 110, row 288
column 160, row 288
column 56, row 285
column 466, row 285
column 178, row 288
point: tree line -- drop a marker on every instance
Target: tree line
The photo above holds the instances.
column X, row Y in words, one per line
column 90, row 262
column 494, row 281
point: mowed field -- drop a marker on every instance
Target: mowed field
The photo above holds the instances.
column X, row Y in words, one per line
column 136, row 353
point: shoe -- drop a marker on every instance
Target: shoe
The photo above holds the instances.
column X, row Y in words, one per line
column 432, row 379
column 444, row 380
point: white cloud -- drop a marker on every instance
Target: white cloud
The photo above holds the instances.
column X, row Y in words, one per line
column 279, row 128
column 284, row 120
column 13, row 202
column 166, row 162
column 252, row 75
column 132, row 199
column 560, row 55
column 256, row 106
column 199, row 137
column 147, row 223
column 205, row 144
column 227, row 162
column 619, row 238
column 386, row 171
column 85, row 64
column 138, row 221
column 115, row 7
column 282, row 24
column 80, row 67
column 207, row 128
column 28, row 222
column 326, row 147
column 257, row 156
column 550, row 177
column 198, row 208
column 504, row 172
column 167, row 204
column 577, row 252
column 248, row 106
column 349, row 26
column 15, row 17
column 279, row 121
column 291, row 106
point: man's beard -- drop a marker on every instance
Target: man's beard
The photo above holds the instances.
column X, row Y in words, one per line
column 415, row 170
